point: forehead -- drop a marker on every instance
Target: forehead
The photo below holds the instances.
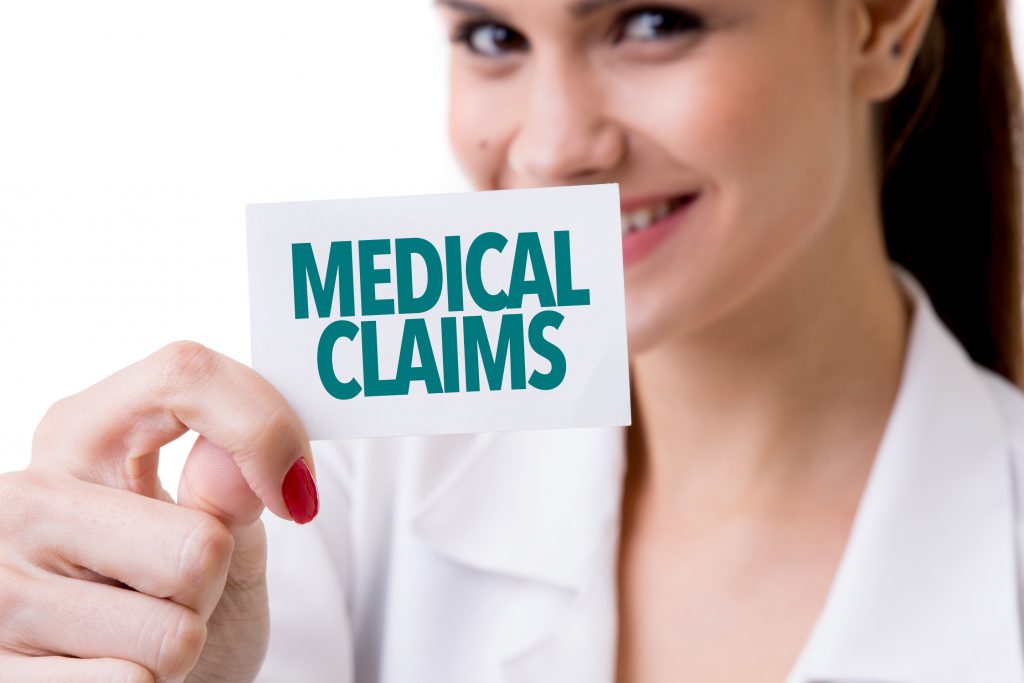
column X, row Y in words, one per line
column 569, row 9
column 578, row 10
column 559, row 15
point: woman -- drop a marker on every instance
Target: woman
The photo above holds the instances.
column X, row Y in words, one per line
column 821, row 236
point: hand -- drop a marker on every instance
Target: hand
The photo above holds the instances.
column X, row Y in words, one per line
column 102, row 576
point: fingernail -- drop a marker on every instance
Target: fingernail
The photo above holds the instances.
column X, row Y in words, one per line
column 300, row 495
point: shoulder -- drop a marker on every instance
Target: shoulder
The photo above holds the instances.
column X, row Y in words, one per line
column 959, row 402
column 1009, row 398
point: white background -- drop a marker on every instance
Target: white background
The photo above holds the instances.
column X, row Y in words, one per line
column 132, row 135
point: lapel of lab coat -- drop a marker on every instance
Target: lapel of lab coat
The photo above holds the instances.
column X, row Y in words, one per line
column 541, row 507
column 926, row 590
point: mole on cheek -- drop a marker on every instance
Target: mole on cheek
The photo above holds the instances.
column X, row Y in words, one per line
column 482, row 144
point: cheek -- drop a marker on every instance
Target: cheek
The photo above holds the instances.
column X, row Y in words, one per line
column 479, row 123
column 775, row 151
column 762, row 128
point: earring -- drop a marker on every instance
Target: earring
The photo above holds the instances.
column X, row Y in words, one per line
column 897, row 49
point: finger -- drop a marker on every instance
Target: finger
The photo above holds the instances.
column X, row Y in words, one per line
column 25, row 669
column 110, row 432
column 212, row 482
column 87, row 620
column 157, row 548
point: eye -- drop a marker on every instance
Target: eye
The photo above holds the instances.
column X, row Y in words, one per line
column 656, row 23
column 489, row 39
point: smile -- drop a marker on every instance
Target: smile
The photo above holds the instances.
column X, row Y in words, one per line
column 642, row 218
column 646, row 225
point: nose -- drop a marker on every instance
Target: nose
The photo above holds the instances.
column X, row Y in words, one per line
column 564, row 133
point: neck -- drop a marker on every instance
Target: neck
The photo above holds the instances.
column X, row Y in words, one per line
column 790, row 389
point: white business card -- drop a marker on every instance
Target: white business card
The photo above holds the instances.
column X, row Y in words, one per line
column 449, row 313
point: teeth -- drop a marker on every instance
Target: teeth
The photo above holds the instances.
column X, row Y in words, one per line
column 640, row 219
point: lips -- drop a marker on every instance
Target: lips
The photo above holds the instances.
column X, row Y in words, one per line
column 647, row 222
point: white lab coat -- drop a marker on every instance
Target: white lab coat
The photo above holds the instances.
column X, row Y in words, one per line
column 491, row 558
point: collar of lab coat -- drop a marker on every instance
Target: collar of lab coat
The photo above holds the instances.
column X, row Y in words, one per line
column 926, row 589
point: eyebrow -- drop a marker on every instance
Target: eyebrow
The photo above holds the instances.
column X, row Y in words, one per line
column 470, row 8
column 578, row 10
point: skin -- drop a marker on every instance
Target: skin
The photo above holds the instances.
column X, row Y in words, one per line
column 766, row 340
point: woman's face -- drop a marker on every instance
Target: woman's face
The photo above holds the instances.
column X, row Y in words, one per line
column 734, row 116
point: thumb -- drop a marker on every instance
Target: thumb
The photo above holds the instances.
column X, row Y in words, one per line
column 238, row 627
column 212, row 482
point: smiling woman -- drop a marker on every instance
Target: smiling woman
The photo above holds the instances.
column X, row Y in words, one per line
column 820, row 213
column 821, row 237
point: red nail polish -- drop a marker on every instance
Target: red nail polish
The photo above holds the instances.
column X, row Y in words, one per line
column 300, row 493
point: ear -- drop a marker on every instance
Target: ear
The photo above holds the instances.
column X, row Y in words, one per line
column 889, row 34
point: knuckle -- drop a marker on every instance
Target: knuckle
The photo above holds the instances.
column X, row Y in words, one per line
column 206, row 552
column 28, row 501
column 273, row 421
column 19, row 601
column 262, row 429
column 12, row 592
column 49, row 426
column 10, row 490
column 10, row 508
column 180, row 644
column 183, row 363
column 21, row 494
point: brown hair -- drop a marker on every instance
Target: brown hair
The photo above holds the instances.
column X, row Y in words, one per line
column 951, row 189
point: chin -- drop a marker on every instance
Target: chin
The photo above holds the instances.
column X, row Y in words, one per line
column 641, row 338
column 663, row 317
